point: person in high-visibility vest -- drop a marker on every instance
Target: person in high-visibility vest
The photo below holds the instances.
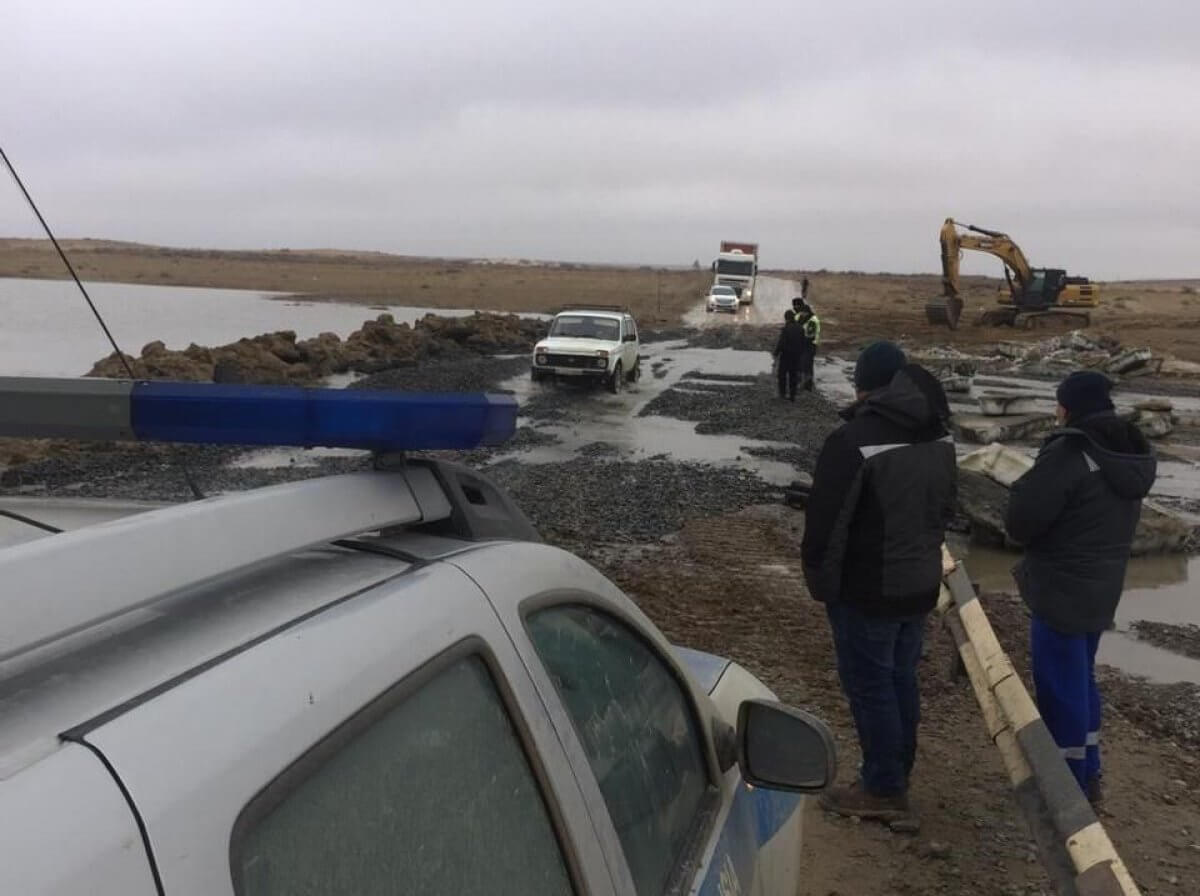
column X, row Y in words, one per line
column 812, row 338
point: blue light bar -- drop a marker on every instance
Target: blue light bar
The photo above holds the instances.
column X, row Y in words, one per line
column 218, row 414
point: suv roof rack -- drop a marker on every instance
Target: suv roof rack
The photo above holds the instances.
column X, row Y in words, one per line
column 591, row 306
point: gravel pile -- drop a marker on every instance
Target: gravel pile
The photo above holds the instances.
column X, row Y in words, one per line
column 722, row 377
column 1166, row 710
column 746, row 338
column 586, row 501
column 1181, row 639
column 752, row 411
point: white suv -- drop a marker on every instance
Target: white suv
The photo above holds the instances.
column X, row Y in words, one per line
column 376, row 682
column 590, row 342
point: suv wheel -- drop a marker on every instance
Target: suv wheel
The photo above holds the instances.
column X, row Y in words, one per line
column 614, row 381
column 636, row 373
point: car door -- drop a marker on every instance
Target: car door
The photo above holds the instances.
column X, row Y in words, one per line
column 672, row 815
column 629, row 352
column 392, row 743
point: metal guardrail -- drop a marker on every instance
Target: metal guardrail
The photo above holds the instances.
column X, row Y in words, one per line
column 1074, row 847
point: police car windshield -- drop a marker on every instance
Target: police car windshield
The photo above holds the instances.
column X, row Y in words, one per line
column 583, row 326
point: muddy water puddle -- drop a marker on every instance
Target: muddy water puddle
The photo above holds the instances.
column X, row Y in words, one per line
column 1160, row 588
column 597, row 418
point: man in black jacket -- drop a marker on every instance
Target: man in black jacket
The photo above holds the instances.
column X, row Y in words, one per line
column 883, row 491
column 789, row 350
column 1076, row 511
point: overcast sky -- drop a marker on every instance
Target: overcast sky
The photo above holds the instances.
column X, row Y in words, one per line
column 837, row 135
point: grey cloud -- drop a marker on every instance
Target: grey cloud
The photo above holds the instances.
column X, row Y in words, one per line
column 839, row 135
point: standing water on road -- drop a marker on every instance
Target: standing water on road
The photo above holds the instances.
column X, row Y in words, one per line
column 49, row 330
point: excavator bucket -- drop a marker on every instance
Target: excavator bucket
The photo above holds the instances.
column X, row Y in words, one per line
column 945, row 311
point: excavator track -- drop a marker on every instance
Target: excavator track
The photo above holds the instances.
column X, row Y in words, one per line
column 1033, row 320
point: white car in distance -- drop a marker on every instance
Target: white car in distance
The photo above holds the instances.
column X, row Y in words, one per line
column 722, row 298
column 589, row 343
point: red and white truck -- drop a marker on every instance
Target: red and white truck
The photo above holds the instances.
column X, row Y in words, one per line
column 737, row 266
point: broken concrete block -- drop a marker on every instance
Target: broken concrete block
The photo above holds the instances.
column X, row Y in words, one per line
column 1155, row 404
column 1000, row 404
column 982, row 430
column 1130, row 360
column 1154, row 424
column 984, row 477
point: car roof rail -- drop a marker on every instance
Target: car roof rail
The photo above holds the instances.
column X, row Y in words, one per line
column 590, row 306
column 57, row 586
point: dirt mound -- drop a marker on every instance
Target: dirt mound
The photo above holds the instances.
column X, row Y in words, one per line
column 380, row 344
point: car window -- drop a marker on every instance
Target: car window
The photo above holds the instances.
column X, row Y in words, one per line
column 433, row 795
column 638, row 729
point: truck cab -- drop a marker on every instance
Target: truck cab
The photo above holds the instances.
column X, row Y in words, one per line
column 736, row 266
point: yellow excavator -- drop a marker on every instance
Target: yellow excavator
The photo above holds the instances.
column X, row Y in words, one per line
column 1033, row 295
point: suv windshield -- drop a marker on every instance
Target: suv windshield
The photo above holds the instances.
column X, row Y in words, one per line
column 723, row 291
column 584, row 326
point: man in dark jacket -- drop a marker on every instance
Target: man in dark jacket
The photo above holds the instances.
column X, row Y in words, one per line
column 788, row 354
column 1076, row 511
column 883, row 491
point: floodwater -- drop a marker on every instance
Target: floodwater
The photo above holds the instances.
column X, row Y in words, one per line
column 1159, row 588
column 48, row 329
column 614, row 420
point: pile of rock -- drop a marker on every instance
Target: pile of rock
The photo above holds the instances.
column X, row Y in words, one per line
column 380, row 344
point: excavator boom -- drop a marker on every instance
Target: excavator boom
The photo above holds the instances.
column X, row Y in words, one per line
column 1029, row 290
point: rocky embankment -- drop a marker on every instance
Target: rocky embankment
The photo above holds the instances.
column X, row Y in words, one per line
column 380, row 344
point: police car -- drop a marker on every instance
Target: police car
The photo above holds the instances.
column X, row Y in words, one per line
column 382, row 682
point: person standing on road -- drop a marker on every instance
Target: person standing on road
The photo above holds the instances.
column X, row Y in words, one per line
column 1075, row 512
column 883, row 491
column 812, row 338
column 804, row 288
column 788, row 351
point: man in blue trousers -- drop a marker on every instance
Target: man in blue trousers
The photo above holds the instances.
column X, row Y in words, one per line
column 1075, row 512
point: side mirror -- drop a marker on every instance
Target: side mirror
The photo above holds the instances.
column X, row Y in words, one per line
column 781, row 748
column 631, row 337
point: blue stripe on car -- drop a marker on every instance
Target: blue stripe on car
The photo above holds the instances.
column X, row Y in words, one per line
column 762, row 812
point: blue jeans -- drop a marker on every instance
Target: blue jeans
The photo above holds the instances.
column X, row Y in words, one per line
column 1064, row 676
column 877, row 663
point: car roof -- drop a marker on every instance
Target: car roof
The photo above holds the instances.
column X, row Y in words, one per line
column 587, row 312
column 96, row 657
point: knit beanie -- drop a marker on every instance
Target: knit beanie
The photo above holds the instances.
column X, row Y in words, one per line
column 1085, row 392
column 877, row 364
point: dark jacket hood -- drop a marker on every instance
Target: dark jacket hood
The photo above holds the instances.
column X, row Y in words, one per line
column 1118, row 448
column 913, row 400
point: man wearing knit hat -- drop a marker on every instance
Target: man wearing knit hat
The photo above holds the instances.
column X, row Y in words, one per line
column 883, row 492
column 1075, row 512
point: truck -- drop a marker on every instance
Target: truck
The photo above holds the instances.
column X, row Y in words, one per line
column 737, row 266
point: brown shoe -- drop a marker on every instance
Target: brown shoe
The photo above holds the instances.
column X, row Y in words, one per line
column 855, row 801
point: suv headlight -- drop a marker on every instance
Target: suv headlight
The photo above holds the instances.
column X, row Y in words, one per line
column 602, row 362
column 540, row 359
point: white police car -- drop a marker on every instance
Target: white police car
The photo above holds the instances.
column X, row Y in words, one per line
column 365, row 684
